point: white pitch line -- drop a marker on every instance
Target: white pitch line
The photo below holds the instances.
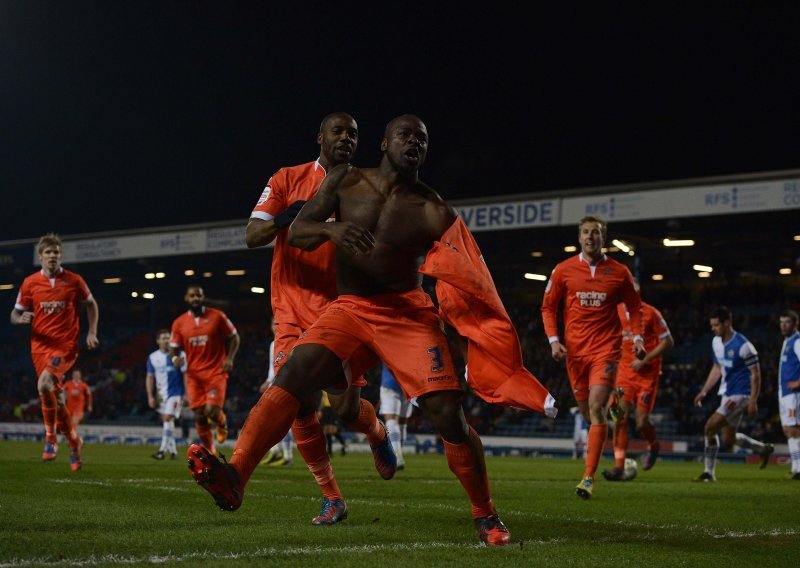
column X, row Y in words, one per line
column 259, row 553
column 693, row 529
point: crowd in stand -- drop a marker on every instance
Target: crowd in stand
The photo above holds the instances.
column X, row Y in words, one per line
column 118, row 381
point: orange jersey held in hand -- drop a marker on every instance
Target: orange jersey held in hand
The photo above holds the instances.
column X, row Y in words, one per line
column 204, row 339
column 55, row 303
column 590, row 295
column 303, row 282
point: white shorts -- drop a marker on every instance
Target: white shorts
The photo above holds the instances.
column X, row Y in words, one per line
column 171, row 406
column 733, row 407
column 393, row 402
column 790, row 409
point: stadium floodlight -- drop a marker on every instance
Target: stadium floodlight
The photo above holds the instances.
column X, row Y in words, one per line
column 257, row 290
column 150, row 275
column 134, row 294
column 702, row 268
column 570, row 248
column 785, row 271
column 208, row 274
column 115, row 280
column 537, row 254
column 6, row 286
column 234, row 272
column 160, row 275
column 532, row 276
column 678, row 242
column 657, row 277
column 703, row 274
column 188, row 272
column 797, row 237
column 148, row 295
column 622, row 245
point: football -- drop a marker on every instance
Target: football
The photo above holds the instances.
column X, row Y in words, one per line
column 631, row 469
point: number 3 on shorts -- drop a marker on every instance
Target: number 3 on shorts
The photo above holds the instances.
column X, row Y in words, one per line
column 436, row 359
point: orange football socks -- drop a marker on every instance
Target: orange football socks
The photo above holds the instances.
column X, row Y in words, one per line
column 598, row 433
column 266, row 425
column 49, row 404
column 467, row 462
column 367, row 423
column 312, row 446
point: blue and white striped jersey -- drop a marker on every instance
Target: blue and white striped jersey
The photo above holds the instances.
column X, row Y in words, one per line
column 735, row 358
column 169, row 379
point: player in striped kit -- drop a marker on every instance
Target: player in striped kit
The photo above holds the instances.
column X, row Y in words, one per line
column 736, row 364
column 789, row 394
column 165, row 391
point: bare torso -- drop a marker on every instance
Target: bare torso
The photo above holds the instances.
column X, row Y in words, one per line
column 405, row 220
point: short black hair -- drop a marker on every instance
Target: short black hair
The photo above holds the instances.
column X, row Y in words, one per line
column 722, row 313
column 791, row 314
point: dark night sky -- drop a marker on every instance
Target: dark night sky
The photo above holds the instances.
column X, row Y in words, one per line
column 117, row 115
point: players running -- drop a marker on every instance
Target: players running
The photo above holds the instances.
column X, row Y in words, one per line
column 736, row 364
column 49, row 301
column 591, row 285
column 303, row 284
column 210, row 341
column 386, row 221
column 638, row 379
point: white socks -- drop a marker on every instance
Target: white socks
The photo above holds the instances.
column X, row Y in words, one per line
column 710, row 453
column 748, row 443
column 396, row 438
column 794, row 453
column 168, row 438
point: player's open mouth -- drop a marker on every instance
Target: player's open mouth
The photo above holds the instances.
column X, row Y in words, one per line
column 412, row 155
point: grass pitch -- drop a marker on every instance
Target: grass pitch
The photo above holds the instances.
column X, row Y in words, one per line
column 125, row 508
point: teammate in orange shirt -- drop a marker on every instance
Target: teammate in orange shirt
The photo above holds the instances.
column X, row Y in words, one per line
column 638, row 379
column 49, row 301
column 79, row 397
column 210, row 341
column 303, row 284
column 387, row 220
column 591, row 285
